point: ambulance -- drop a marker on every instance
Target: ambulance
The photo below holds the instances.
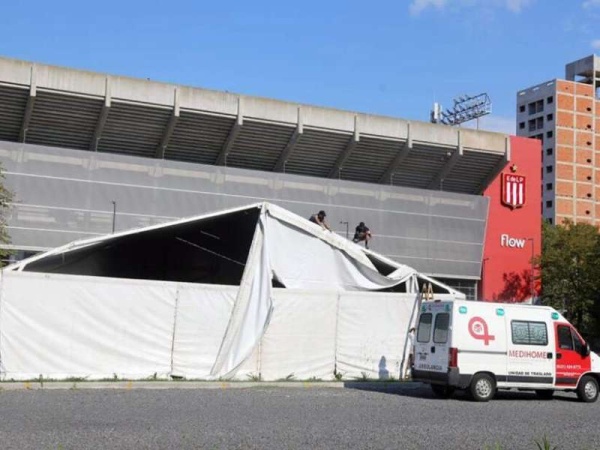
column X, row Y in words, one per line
column 482, row 347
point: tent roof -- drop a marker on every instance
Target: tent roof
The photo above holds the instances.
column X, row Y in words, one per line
column 233, row 223
column 83, row 243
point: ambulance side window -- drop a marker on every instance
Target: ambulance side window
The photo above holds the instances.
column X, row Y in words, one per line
column 424, row 331
column 565, row 340
column 529, row 333
column 440, row 330
column 577, row 344
column 568, row 339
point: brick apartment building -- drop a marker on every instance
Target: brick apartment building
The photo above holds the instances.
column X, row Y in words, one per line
column 565, row 116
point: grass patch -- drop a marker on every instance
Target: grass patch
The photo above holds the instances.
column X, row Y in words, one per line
column 289, row 377
column 495, row 446
column 544, row 444
column 363, row 377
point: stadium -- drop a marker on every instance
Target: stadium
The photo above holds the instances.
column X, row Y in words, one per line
column 87, row 154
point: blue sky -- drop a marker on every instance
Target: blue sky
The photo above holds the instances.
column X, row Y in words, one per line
column 388, row 57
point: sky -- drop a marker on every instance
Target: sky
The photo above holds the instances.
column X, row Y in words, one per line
column 392, row 58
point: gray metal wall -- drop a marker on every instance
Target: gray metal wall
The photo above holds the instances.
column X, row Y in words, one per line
column 63, row 195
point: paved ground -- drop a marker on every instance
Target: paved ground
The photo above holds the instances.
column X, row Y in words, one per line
column 395, row 417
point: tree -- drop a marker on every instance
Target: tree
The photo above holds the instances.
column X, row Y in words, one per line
column 570, row 270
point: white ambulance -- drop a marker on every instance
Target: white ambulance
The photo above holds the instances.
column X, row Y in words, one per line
column 482, row 347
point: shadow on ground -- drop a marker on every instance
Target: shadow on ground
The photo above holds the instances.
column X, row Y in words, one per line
column 421, row 390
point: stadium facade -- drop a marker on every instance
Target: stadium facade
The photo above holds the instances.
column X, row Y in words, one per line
column 88, row 153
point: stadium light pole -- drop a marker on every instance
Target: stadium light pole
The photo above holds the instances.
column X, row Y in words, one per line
column 466, row 108
column 531, row 290
column 483, row 278
column 347, row 229
column 114, row 215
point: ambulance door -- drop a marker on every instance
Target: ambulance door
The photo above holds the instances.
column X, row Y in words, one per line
column 530, row 354
column 433, row 339
column 423, row 341
column 441, row 340
column 572, row 359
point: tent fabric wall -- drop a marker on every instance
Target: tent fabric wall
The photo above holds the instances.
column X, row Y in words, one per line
column 252, row 308
column 300, row 341
column 203, row 312
column 70, row 326
column 372, row 331
column 61, row 326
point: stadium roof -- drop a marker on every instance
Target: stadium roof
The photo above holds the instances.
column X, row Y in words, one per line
column 48, row 105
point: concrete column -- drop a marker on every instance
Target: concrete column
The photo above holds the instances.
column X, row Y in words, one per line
column 164, row 142
column 399, row 159
column 233, row 133
column 29, row 107
column 102, row 117
column 289, row 148
column 352, row 143
column 437, row 181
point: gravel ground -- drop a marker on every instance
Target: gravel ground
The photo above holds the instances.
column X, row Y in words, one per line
column 395, row 417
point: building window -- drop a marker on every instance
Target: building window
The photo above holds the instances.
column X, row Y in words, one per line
column 531, row 125
column 548, row 203
column 522, row 126
column 531, row 108
column 549, row 151
column 522, row 108
column 549, row 134
column 536, row 107
column 540, row 123
column 548, row 186
column 538, row 136
column 550, row 221
column 539, row 105
column 550, row 100
column 550, row 117
column 549, row 169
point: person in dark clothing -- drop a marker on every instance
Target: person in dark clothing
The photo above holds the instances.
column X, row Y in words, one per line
column 319, row 219
column 362, row 233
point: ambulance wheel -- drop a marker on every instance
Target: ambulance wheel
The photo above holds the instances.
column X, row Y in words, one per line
column 545, row 394
column 483, row 387
column 442, row 391
column 587, row 389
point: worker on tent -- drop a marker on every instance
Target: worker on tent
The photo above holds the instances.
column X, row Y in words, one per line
column 362, row 233
column 319, row 219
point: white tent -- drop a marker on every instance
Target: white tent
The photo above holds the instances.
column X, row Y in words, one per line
column 253, row 292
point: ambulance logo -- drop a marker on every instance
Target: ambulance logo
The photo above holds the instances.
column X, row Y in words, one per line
column 478, row 329
column 513, row 190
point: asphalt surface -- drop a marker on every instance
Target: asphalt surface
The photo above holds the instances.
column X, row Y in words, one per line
column 306, row 417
